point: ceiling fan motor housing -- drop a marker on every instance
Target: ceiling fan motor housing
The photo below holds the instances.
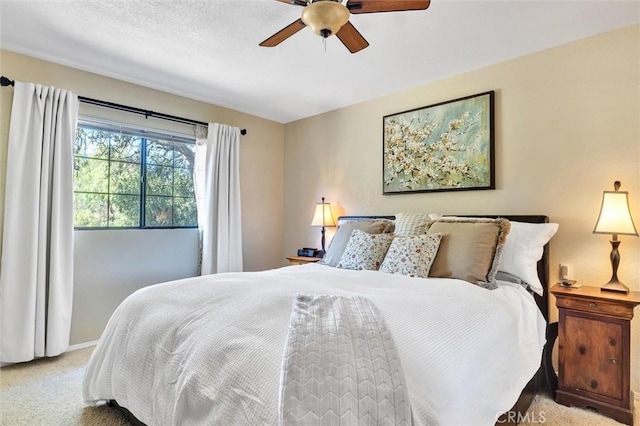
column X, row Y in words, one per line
column 325, row 17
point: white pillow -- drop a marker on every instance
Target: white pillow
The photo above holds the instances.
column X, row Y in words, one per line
column 523, row 249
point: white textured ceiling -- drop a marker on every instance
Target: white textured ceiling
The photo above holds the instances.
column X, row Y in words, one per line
column 208, row 50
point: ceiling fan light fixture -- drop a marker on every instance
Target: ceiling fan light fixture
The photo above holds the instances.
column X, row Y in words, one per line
column 325, row 17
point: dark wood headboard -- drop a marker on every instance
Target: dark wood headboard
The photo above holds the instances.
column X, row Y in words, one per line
column 543, row 263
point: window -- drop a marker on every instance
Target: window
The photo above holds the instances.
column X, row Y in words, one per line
column 132, row 178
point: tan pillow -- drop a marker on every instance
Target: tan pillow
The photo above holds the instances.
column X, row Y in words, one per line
column 470, row 249
column 340, row 240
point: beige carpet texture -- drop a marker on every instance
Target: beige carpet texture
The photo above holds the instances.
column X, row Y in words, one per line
column 49, row 392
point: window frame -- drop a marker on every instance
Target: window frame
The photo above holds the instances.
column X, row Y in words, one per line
column 145, row 134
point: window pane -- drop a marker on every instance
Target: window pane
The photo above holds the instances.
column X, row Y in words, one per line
column 92, row 143
column 159, row 180
column 124, row 211
column 159, row 152
column 125, row 148
column 185, row 155
column 125, row 178
column 90, row 175
column 158, row 211
column 184, row 212
column 90, row 210
column 108, row 171
column 183, row 183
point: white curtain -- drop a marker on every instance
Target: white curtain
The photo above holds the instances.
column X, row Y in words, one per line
column 36, row 274
column 217, row 184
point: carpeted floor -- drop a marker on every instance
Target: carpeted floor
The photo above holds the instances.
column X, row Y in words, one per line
column 49, row 392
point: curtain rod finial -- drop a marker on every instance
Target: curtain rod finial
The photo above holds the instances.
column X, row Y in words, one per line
column 4, row 81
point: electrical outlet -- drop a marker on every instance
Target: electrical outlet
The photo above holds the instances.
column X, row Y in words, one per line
column 566, row 271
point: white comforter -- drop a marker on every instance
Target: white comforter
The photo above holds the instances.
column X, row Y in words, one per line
column 209, row 350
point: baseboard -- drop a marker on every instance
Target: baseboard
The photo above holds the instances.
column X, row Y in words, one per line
column 84, row 345
column 70, row 349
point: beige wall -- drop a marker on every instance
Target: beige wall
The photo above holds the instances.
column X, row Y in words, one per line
column 567, row 126
column 99, row 287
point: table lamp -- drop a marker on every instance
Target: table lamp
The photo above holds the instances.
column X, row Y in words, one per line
column 615, row 218
column 323, row 217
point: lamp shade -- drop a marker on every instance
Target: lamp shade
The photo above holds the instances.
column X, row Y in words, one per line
column 325, row 17
column 615, row 216
column 323, row 215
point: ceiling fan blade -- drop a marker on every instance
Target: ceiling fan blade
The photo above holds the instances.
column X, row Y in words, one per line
column 373, row 6
column 283, row 34
column 351, row 38
column 295, row 2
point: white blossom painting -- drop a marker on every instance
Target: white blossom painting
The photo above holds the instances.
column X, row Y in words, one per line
column 443, row 147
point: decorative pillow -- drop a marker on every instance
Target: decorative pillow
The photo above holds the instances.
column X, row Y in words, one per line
column 365, row 251
column 523, row 249
column 411, row 256
column 410, row 224
column 340, row 240
column 470, row 249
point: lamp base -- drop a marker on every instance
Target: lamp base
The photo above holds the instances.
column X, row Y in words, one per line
column 615, row 286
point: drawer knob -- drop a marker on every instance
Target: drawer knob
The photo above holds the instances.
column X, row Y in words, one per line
column 614, row 360
column 592, row 305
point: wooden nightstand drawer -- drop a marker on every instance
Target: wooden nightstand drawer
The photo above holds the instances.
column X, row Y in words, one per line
column 595, row 306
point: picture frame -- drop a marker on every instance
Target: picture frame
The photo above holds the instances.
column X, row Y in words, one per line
column 448, row 146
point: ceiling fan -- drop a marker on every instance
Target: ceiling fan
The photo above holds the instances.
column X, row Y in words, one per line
column 328, row 17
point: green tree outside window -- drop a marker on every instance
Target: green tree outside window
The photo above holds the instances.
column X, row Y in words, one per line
column 130, row 179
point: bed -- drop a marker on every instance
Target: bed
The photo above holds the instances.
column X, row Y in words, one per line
column 209, row 350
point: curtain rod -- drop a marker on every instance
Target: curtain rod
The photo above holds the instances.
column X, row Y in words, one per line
column 4, row 81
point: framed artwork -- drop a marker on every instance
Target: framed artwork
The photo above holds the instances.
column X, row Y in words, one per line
column 443, row 147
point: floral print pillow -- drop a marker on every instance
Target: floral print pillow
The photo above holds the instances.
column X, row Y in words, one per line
column 412, row 256
column 365, row 251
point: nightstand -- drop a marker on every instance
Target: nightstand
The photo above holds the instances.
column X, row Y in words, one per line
column 594, row 353
column 301, row 260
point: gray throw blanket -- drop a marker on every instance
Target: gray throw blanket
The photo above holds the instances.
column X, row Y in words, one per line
column 340, row 366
